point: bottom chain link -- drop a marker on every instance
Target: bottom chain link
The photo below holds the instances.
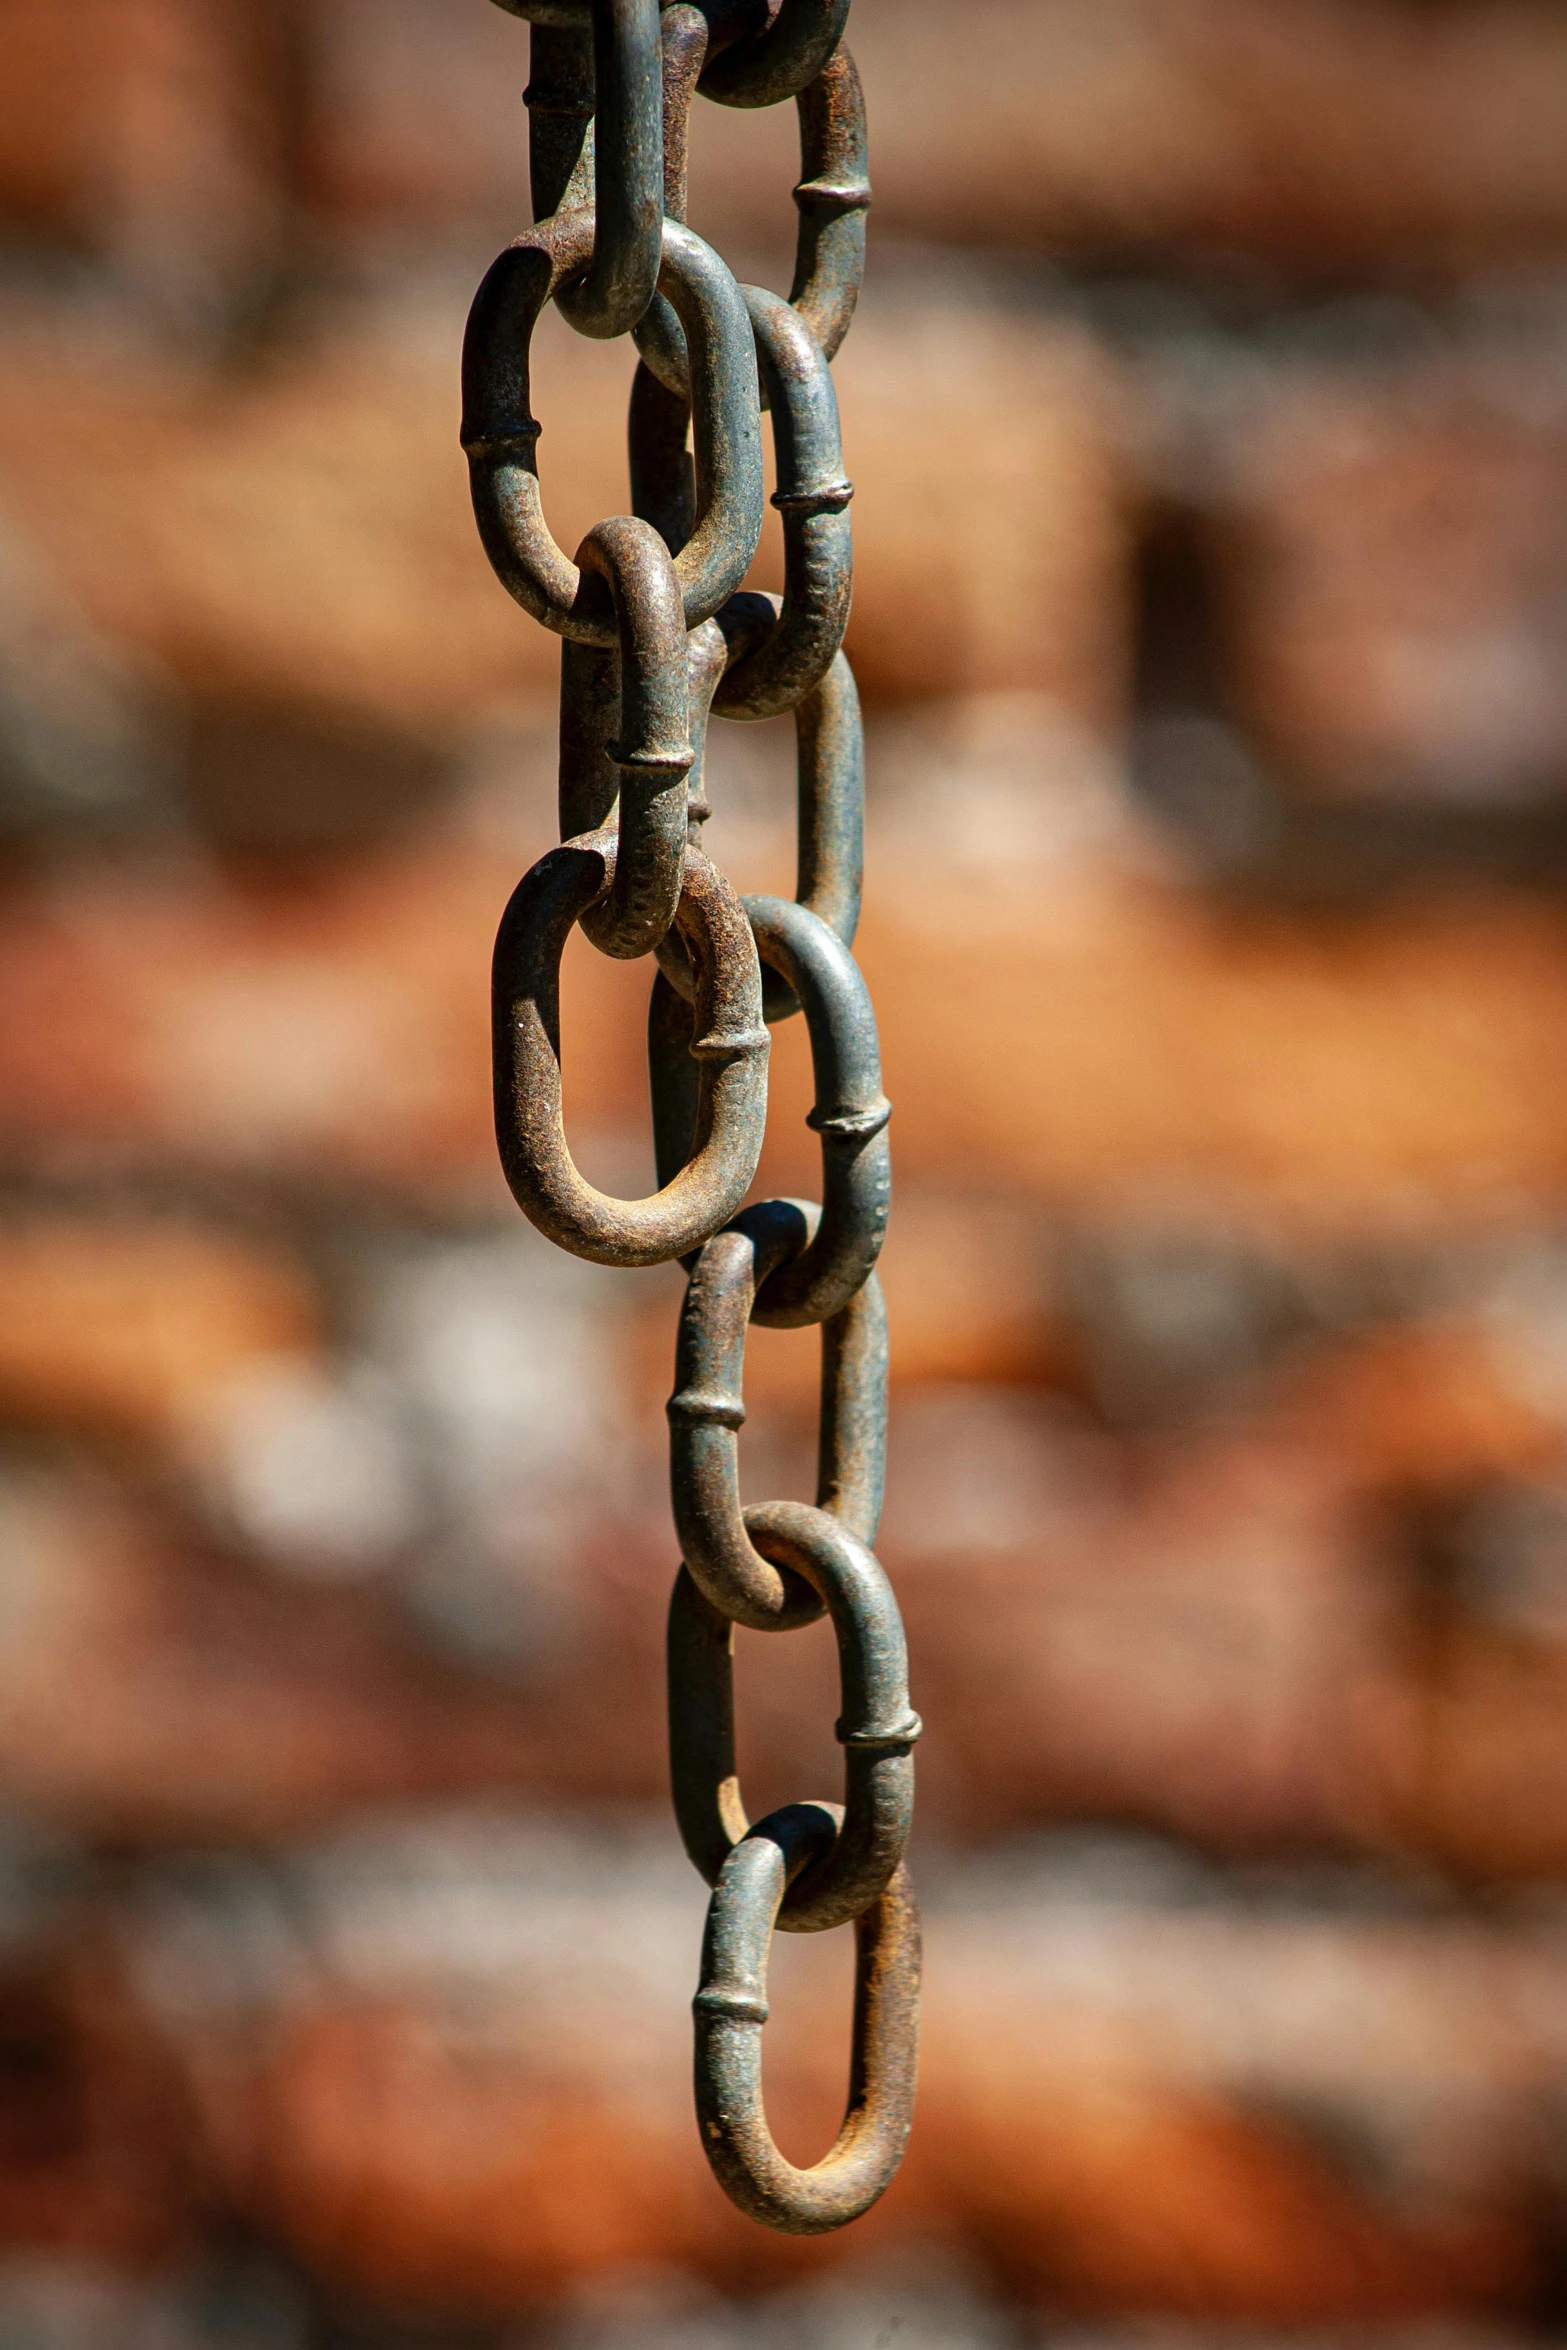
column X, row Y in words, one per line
column 731, row 2008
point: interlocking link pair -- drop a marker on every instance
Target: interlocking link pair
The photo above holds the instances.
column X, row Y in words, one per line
column 659, row 636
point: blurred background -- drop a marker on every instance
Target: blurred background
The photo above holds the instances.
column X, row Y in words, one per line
column 1208, row 411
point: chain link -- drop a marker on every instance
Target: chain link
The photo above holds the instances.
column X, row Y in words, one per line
column 658, row 637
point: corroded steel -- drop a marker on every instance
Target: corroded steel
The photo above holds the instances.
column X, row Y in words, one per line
column 659, row 636
column 707, row 1411
column 501, row 434
column 877, row 1727
column 799, row 643
column 731, row 2008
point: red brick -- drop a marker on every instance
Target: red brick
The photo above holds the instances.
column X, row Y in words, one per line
column 152, row 1693
column 122, row 1327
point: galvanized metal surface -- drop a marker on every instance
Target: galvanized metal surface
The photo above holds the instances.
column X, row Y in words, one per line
column 659, row 637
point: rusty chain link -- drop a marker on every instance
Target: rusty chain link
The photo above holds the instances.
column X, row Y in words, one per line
column 659, row 636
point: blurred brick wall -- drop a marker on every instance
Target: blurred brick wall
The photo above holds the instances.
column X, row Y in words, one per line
column 1206, row 415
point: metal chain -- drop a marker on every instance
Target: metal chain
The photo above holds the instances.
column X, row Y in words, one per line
column 658, row 637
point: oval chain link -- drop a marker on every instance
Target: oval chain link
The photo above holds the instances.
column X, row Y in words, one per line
column 731, row 2008
column 659, row 637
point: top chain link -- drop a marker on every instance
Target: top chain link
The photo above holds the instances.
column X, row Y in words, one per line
column 658, row 637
